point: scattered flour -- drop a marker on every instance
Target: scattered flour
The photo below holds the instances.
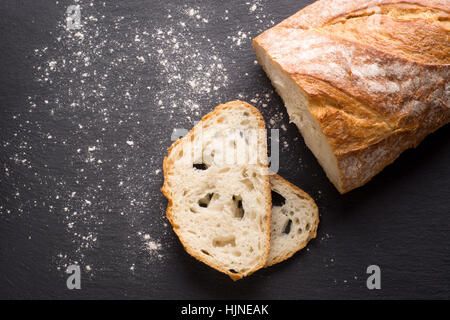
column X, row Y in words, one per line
column 245, row 34
column 98, row 84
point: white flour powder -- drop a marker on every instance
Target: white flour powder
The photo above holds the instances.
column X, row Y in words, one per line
column 115, row 77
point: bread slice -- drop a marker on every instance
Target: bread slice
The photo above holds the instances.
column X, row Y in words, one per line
column 360, row 93
column 217, row 183
column 295, row 218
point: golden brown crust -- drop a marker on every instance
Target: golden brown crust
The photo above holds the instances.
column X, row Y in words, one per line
column 399, row 30
column 371, row 91
column 322, row 12
column 166, row 190
column 313, row 233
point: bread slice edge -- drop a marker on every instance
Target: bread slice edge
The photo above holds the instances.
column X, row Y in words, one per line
column 166, row 192
column 312, row 233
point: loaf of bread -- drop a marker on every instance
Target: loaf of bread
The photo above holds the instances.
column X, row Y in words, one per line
column 363, row 80
column 217, row 184
column 295, row 218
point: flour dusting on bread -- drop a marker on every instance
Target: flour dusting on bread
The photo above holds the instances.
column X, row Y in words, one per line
column 360, row 93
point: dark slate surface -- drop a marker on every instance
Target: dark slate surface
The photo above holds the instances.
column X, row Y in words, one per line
column 399, row 221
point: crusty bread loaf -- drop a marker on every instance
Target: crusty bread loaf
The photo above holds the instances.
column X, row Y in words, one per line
column 295, row 218
column 217, row 184
column 363, row 80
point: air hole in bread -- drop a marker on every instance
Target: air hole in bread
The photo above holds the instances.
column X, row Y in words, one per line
column 261, row 223
column 300, row 231
column 308, row 226
column 200, row 166
column 224, row 170
column 246, row 114
column 238, row 208
column 287, row 228
column 233, row 271
column 249, row 184
column 237, row 253
column 205, row 252
column 277, row 199
column 300, row 196
column 224, row 241
column 193, row 210
column 204, row 202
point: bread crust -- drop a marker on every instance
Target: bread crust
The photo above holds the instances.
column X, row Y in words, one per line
column 312, row 234
column 324, row 11
column 371, row 103
column 168, row 163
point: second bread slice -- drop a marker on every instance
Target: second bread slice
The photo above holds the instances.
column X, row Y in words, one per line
column 295, row 218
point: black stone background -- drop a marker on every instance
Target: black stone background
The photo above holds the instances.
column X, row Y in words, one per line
column 399, row 221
